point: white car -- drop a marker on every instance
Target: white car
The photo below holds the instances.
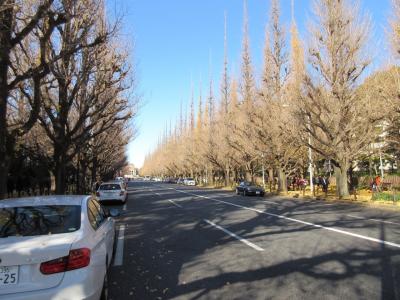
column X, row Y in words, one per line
column 189, row 181
column 114, row 190
column 55, row 247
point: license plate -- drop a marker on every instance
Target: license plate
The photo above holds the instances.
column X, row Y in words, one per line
column 257, row 192
column 8, row 275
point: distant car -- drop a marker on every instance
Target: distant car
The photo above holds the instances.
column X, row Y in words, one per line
column 114, row 190
column 247, row 188
column 55, row 247
column 189, row 181
column 172, row 180
column 180, row 181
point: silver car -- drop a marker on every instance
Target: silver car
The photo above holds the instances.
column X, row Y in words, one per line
column 113, row 190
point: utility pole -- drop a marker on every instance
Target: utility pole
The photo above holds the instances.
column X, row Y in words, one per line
column 263, row 171
column 310, row 159
column 380, row 149
column 381, row 162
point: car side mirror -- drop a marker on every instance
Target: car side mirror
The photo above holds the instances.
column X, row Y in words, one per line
column 113, row 212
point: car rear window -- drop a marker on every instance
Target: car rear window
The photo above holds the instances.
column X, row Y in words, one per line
column 108, row 187
column 39, row 220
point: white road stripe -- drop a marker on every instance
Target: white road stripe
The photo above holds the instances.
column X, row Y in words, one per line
column 272, row 202
column 176, row 204
column 250, row 244
column 303, row 222
column 375, row 220
column 119, row 251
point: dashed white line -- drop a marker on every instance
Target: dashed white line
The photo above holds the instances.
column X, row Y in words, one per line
column 272, row 202
column 250, row 244
column 300, row 221
column 176, row 204
column 119, row 251
column 375, row 220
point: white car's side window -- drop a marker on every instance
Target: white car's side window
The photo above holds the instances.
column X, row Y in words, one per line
column 95, row 217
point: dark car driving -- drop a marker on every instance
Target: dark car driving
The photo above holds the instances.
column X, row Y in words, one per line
column 247, row 188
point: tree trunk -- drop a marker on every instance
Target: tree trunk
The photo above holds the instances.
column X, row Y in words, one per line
column 270, row 178
column 83, row 180
column 78, row 175
column 94, row 170
column 342, row 187
column 60, row 170
column 282, row 181
column 6, row 17
column 227, row 176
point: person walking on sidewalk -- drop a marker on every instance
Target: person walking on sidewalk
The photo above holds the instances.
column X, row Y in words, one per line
column 325, row 185
column 377, row 183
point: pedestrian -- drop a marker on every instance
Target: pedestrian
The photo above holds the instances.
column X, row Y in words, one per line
column 319, row 184
column 96, row 185
column 377, row 182
column 294, row 183
column 325, row 185
column 10, row 186
column 302, row 184
column 354, row 186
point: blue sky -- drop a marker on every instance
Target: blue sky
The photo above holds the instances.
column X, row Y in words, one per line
column 178, row 43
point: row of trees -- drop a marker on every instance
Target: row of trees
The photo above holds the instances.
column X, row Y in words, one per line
column 65, row 92
column 313, row 101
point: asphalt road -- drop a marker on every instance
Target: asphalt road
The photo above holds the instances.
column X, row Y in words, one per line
column 179, row 242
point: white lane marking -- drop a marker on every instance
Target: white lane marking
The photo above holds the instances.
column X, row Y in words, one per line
column 303, row 222
column 375, row 220
column 250, row 244
column 272, row 202
column 119, row 251
column 176, row 204
column 158, row 194
column 124, row 207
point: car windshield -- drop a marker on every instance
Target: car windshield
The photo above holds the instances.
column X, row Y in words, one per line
column 110, row 187
column 39, row 220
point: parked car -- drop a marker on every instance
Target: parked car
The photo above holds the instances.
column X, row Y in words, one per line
column 169, row 180
column 180, row 181
column 247, row 188
column 114, row 190
column 189, row 181
column 55, row 247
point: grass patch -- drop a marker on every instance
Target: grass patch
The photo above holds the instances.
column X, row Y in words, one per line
column 382, row 196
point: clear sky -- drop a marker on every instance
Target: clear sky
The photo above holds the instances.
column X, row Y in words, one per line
column 179, row 43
